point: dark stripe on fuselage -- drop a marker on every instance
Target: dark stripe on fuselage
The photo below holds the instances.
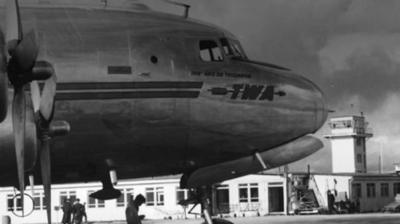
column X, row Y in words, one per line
column 119, row 70
column 125, row 95
column 128, row 85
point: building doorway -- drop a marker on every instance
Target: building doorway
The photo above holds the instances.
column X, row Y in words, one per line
column 275, row 199
column 222, row 199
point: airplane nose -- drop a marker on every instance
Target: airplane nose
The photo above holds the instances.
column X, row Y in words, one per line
column 311, row 98
column 321, row 112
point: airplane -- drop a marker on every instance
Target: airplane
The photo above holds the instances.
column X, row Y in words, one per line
column 103, row 90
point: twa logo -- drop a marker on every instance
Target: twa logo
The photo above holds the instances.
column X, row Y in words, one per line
column 248, row 92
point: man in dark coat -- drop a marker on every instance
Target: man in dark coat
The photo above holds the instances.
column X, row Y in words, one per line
column 67, row 210
column 78, row 210
column 132, row 210
column 84, row 212
column 331, row 202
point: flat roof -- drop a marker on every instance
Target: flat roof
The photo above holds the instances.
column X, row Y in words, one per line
column 339, row 174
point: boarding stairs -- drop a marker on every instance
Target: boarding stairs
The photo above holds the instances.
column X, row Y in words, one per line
column 309, row 197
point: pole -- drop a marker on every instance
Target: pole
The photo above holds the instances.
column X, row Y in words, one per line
column 286, row 171
column 380, row 158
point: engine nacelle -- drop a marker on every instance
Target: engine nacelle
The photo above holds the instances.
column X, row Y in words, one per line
column 3, row 85
column 278, row 156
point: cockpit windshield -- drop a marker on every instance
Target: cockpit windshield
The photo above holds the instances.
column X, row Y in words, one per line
column 232, row 48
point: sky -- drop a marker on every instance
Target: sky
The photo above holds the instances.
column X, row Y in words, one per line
column 350, row 48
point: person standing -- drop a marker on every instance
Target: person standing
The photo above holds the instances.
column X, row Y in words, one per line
column 78, row 210
column 132, row 210
column 331, row 202
column 84, row 212
column 67, row 210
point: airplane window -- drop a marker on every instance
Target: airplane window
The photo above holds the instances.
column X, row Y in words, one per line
column 210, row 51
column 236, row 50
column 232, row 48
column 226, row 47
column 154, row 59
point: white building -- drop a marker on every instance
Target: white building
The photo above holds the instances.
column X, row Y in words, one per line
column 245, row 196
column 348, row 140
column 369, row 192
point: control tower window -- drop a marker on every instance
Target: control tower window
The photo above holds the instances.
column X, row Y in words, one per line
column 341, row 124
column 210, row 51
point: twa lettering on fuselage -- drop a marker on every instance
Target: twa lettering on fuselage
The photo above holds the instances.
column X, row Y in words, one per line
column 248, row 92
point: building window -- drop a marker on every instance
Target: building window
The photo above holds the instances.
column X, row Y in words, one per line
column 154, row 196
column 243, row 193
column 38, row 201
column 94, row 203
column 150, row 196
column 384, row 190
column 359, row 158
column 123, row 200
column 359, row 141
column 181, row 194
column 210, row 51
column 357, row 190
column 396, row 189
column 64, row 195
column 248, row 192
column 14, row 203
column 10, row 202
column 160, row 195
column 254, row 192
column 371, row 190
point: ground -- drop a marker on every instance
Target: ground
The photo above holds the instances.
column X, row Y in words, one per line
column 325, row 219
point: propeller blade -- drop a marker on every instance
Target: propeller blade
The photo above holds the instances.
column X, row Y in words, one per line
column 18, row 120
column 45, row 164
column 26, row 52
column 35, row 95
column 13, row 25
column 3, row 79
column 47, row 99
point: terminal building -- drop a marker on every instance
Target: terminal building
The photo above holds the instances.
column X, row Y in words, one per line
column 253, row 195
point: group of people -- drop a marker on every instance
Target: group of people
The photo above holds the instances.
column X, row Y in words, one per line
column 76, row 210
column 343, row 206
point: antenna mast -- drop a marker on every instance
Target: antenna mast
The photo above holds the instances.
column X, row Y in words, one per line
column 186, row 6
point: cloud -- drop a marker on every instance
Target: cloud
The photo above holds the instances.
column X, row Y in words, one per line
column 369, row 73
column 384, row 123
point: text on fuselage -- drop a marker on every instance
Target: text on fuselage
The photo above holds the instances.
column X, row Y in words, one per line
column 248, row 92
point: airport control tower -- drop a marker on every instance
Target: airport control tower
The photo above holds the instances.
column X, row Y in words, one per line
column 348, row 137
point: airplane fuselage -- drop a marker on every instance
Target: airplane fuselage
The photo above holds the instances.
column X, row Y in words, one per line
column 137, row 90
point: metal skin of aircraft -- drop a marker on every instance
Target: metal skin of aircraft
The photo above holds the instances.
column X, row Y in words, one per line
column 145, row 94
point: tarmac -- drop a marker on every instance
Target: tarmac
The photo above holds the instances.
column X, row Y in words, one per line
column 304, row 219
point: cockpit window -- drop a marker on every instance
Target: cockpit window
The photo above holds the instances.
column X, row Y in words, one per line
column 210, row 51
column 232, row 48
column 226, row 47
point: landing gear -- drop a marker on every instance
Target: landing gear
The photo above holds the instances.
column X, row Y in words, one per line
column 205, row 205
column 108, row 191
column 201, row 196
